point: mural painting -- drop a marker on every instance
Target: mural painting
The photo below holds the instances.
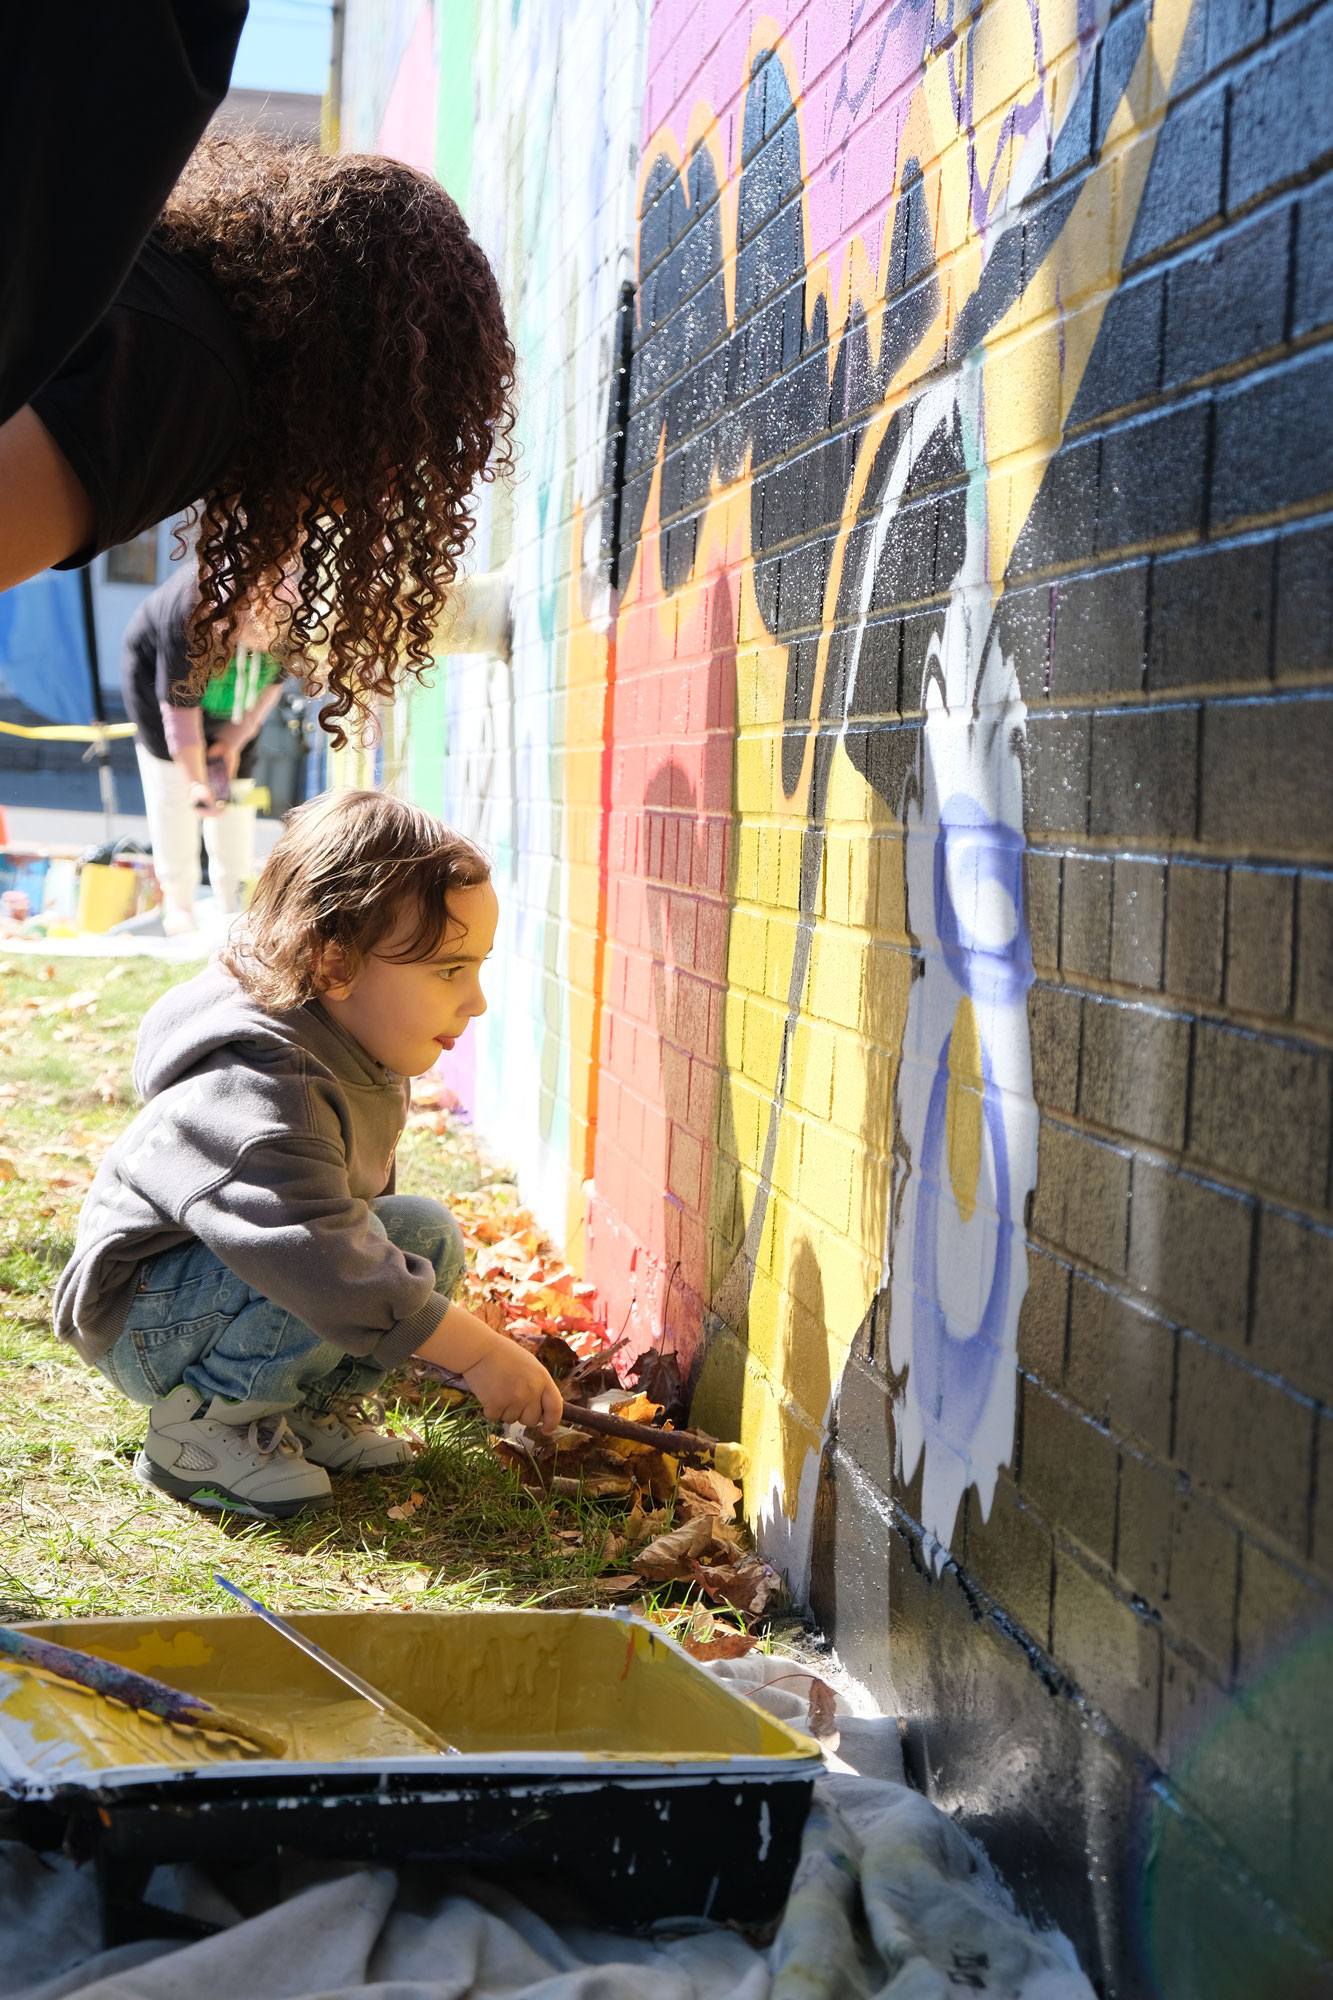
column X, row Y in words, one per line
column 909, row 796
column 767, row 338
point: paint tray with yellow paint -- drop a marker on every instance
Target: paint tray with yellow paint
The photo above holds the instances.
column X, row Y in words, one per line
column 593, row 1749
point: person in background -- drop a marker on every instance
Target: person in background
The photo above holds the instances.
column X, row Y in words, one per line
column 190, row 748
column 310, row 351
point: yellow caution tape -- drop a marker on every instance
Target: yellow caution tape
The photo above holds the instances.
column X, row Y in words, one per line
column 70, row 732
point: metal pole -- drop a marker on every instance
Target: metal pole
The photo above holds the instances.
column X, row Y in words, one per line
column 105, row 776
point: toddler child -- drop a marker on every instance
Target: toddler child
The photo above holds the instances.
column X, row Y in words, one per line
column 243, row 1265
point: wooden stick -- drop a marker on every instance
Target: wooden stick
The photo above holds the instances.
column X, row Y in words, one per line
column 680, row 1444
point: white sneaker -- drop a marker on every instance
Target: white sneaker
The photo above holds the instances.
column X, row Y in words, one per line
column 347, row 1441
column 255, row 1467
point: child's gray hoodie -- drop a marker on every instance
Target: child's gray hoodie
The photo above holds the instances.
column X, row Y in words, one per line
column 265, row 1136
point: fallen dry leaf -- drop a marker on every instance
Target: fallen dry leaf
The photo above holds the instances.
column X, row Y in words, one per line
column 823, row 1718
column 556, row 1356
column 722, row 1646
column 639, row 1527
column 8, row 1171
column 670, row 1559
column 658, row 1375
column 415, row 1500
column 659, row 1472
column 629, row 1447
column 747, row 1585
column 529, row 1471
column 600, row 1485
column 636, row 1409
column 718, row 1493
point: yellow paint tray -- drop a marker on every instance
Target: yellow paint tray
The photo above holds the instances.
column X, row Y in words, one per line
column 592, row 1748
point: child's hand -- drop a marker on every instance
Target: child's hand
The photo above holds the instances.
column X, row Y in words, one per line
column 512, row 1386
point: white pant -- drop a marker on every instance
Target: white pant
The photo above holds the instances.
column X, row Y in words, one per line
column 173, row 828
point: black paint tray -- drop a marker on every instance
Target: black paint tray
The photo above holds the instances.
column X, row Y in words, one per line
column 593, row 1750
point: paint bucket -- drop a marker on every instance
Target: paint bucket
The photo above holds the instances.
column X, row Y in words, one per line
column 107, row 894
column 592, row 1749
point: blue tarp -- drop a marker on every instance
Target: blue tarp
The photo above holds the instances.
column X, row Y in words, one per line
column 43, row 650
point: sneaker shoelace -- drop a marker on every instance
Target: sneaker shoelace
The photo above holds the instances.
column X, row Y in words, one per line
column 349, row 1417
column 281, row 1438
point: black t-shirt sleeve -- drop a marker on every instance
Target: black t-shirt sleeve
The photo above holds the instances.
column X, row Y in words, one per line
column 149, row 409
column 101, row 103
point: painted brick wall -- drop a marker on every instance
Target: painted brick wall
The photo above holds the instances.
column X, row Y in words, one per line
column 911, row 803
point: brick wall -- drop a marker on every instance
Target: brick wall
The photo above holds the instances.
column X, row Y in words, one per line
column 912, row 796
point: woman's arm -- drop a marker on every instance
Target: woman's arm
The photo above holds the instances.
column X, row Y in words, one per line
column 184, row 731
column 45, row 513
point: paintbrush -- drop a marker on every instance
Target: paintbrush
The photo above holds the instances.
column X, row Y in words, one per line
column 137, row 1691
column 732, row 1460
column 345, row 1674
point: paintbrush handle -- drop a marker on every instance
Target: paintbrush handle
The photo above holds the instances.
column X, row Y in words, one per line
column 681, row 1444
column 334, row 1666
column 137, row 1691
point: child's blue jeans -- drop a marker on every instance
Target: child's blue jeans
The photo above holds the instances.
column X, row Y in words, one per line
column 193, row 1320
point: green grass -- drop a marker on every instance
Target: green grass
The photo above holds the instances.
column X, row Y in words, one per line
column 79, row 1536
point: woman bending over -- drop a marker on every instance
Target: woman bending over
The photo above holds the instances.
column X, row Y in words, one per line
column 311, row 352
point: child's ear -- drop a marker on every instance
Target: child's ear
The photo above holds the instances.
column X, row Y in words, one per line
column 332, row 980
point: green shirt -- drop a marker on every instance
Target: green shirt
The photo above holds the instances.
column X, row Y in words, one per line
column 233, row 692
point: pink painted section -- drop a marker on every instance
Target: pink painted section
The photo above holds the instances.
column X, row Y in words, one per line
column 670, row 804
column 408, row 131
column 852, row 90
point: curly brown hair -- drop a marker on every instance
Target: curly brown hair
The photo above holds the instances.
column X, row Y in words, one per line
column 381, row 391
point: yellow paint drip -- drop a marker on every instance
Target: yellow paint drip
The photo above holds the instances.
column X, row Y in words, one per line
column 964, row 1108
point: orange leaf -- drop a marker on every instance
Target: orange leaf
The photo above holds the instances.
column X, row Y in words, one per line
column 723, row 1646
column 636, row 1410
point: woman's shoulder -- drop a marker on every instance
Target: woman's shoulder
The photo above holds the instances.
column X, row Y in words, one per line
column 151, row 408
column 169, row 284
